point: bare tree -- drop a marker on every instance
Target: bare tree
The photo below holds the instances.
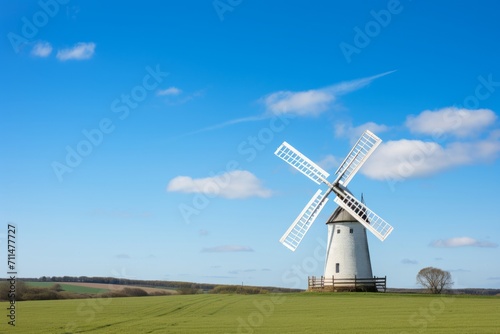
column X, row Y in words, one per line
column 434, row 279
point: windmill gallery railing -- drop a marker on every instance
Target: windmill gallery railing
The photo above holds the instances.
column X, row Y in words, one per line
column 346, row 284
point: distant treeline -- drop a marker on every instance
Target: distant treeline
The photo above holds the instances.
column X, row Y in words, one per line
column 176, row 285
column 469, row 291
column 56, row 291
column 243, row 290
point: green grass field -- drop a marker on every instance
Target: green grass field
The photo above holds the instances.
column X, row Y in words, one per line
column 281, row 313
column 67, row 287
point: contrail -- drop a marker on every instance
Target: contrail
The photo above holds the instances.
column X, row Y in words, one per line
column 301, row 103
column 227, row 123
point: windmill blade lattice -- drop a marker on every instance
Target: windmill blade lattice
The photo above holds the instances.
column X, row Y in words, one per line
column 296, row 232
column 300, row 162
column 369, row 219
column 357, row 157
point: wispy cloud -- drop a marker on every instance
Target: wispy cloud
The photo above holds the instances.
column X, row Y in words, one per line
column 79, row 51
column 41, row 49
column 345, row 130
column 314, row 101
column 329, row 162
column 409, row 261
column 227, row 249
column 240, row 271
column 228, row 123
column 462, row 242
column 233, row 185
column 122, row 256
column 302, row 103
column 310, row 102
column 451, row 120
column 174, row 96
column 459, row 270
column 203, row 233
column 169, row 91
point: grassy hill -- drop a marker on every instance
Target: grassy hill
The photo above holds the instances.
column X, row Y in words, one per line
column 263, row 313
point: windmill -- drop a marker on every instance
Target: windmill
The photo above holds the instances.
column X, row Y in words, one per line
column 347, row 254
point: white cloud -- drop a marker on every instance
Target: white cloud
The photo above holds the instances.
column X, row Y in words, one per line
column 122, row 256
column 314, row 101
column 353, row 133
column 169, row 91
column 462, row 242
column 495, row 134
column 227, row 249
column 329, row 162
column 409, row 261
column 234, row 184
column 79, row 51
column 402, row 159
column 311, row 102
column 241, row 271
column 41, row 49
column 451, row 120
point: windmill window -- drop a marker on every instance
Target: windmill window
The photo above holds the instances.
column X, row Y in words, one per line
column 351, row 230
column 337, row 267
column 338, row 231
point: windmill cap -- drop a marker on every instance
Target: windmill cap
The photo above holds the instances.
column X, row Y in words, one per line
column 340, row 215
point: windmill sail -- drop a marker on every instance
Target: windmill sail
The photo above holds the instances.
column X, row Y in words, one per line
column 364, row 147
column 296, row 232
column 361, row 151
column 379, row 227
column 300, row 162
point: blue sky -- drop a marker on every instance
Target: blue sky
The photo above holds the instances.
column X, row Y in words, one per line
column 138, row 140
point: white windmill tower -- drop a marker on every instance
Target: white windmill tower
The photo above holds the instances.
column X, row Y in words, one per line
column 347, row 256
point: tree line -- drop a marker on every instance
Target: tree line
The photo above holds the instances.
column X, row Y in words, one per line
column 26, row 292
column 176, row 285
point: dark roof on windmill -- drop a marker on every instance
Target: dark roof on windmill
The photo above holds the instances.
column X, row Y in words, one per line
column 340, row 215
